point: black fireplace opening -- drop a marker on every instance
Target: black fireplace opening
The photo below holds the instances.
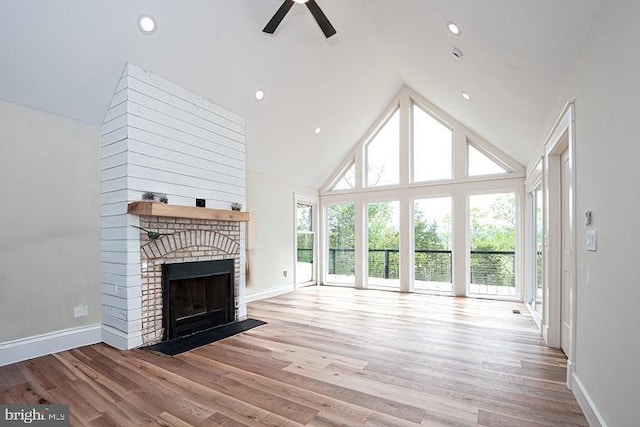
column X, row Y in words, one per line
column 197, row 296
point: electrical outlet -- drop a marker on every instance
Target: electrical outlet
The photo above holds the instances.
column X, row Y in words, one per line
column 80, row 310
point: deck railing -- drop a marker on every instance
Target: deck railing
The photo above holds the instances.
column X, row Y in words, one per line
column 495, row 268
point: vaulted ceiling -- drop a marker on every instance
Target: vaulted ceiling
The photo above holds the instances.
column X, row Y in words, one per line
column 65, row 57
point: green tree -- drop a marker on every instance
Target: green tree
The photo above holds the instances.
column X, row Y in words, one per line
column 342, row 239
column 493, row 230
column 342, row 226
column 428, row 236
column 382, row 233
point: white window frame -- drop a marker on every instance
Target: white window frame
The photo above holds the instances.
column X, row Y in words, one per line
column 519, row 243
column 314, row 202
column 459, row 188
column 533, row 182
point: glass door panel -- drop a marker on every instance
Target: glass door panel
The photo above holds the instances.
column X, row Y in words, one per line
column 341, row 236
column 383, row 226
column 539, row 266
column 432, row 244
column 305, row 256
column 492, row 236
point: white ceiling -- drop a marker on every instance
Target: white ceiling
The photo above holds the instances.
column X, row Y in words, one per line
column 66, row 57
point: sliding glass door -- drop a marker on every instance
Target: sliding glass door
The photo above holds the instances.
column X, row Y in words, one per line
column 432, row 245
column 538, row 280
column 492, row 238
column 306, row 244
column 341, row 238
column 383, row 237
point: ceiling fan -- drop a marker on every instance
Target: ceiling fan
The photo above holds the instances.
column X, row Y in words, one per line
column 315, row 10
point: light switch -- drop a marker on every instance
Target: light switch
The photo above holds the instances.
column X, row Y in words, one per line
column 592, row 240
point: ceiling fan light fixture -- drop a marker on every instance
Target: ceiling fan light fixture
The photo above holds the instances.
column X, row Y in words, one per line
column 453, row 28
column 147, row 24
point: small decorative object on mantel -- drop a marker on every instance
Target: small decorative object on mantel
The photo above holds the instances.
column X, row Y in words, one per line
column 152, row 197
column 235, row 206
column 148, row 196
column 201, row 203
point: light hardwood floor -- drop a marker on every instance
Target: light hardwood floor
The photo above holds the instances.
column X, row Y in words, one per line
column 327, row 357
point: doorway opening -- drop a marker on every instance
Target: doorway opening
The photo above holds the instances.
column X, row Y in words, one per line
column 560, row 290
column 306, row 242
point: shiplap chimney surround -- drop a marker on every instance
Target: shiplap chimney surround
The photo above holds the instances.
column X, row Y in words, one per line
column 161, row 138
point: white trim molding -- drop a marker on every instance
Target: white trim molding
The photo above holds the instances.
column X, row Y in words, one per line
column 587, row 405
column 561, row 138
column 270, row 293
column 314, row 202
column 52, row 342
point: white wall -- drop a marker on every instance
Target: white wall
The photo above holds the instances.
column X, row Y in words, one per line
column 49, row 223
column 271, row 234
column 606, row 89
column 161, row 138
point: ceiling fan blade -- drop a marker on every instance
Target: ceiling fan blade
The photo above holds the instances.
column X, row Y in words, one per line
column 272, row 25
column 321, row 18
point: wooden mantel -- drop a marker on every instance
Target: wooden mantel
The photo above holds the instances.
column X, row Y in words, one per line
column 162, row 209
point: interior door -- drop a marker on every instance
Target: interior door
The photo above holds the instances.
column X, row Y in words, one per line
column 567, row 254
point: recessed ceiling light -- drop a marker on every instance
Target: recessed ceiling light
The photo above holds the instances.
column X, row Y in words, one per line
column 455, row 30
column 317, row 130
column 466, row 96
column 147, row 24
column 300, row 1
column 259, row 95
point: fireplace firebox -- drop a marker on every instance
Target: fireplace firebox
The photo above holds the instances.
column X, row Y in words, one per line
column 197, row 296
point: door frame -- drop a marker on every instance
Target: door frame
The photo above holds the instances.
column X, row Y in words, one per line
column 312, row 201
column 561, row 138
column 533, row 182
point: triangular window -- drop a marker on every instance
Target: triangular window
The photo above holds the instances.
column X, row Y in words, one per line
column 482, row 164
column 432, row 147
column 415, row 144
column 348, row 179
column 383, row 154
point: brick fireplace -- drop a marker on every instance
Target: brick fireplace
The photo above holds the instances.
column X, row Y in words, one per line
column 182, row 240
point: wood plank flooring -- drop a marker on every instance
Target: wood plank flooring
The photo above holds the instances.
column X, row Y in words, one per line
column 327, row 357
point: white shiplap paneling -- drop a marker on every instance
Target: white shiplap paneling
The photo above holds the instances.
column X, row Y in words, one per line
column 162, row 138
column 113, row 177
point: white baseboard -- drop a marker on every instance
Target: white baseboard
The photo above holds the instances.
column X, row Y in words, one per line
column 545, row 333
column 270, row 293
column 535, row 316
column 588, row 406
column 53, row 342
column 571, row 371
